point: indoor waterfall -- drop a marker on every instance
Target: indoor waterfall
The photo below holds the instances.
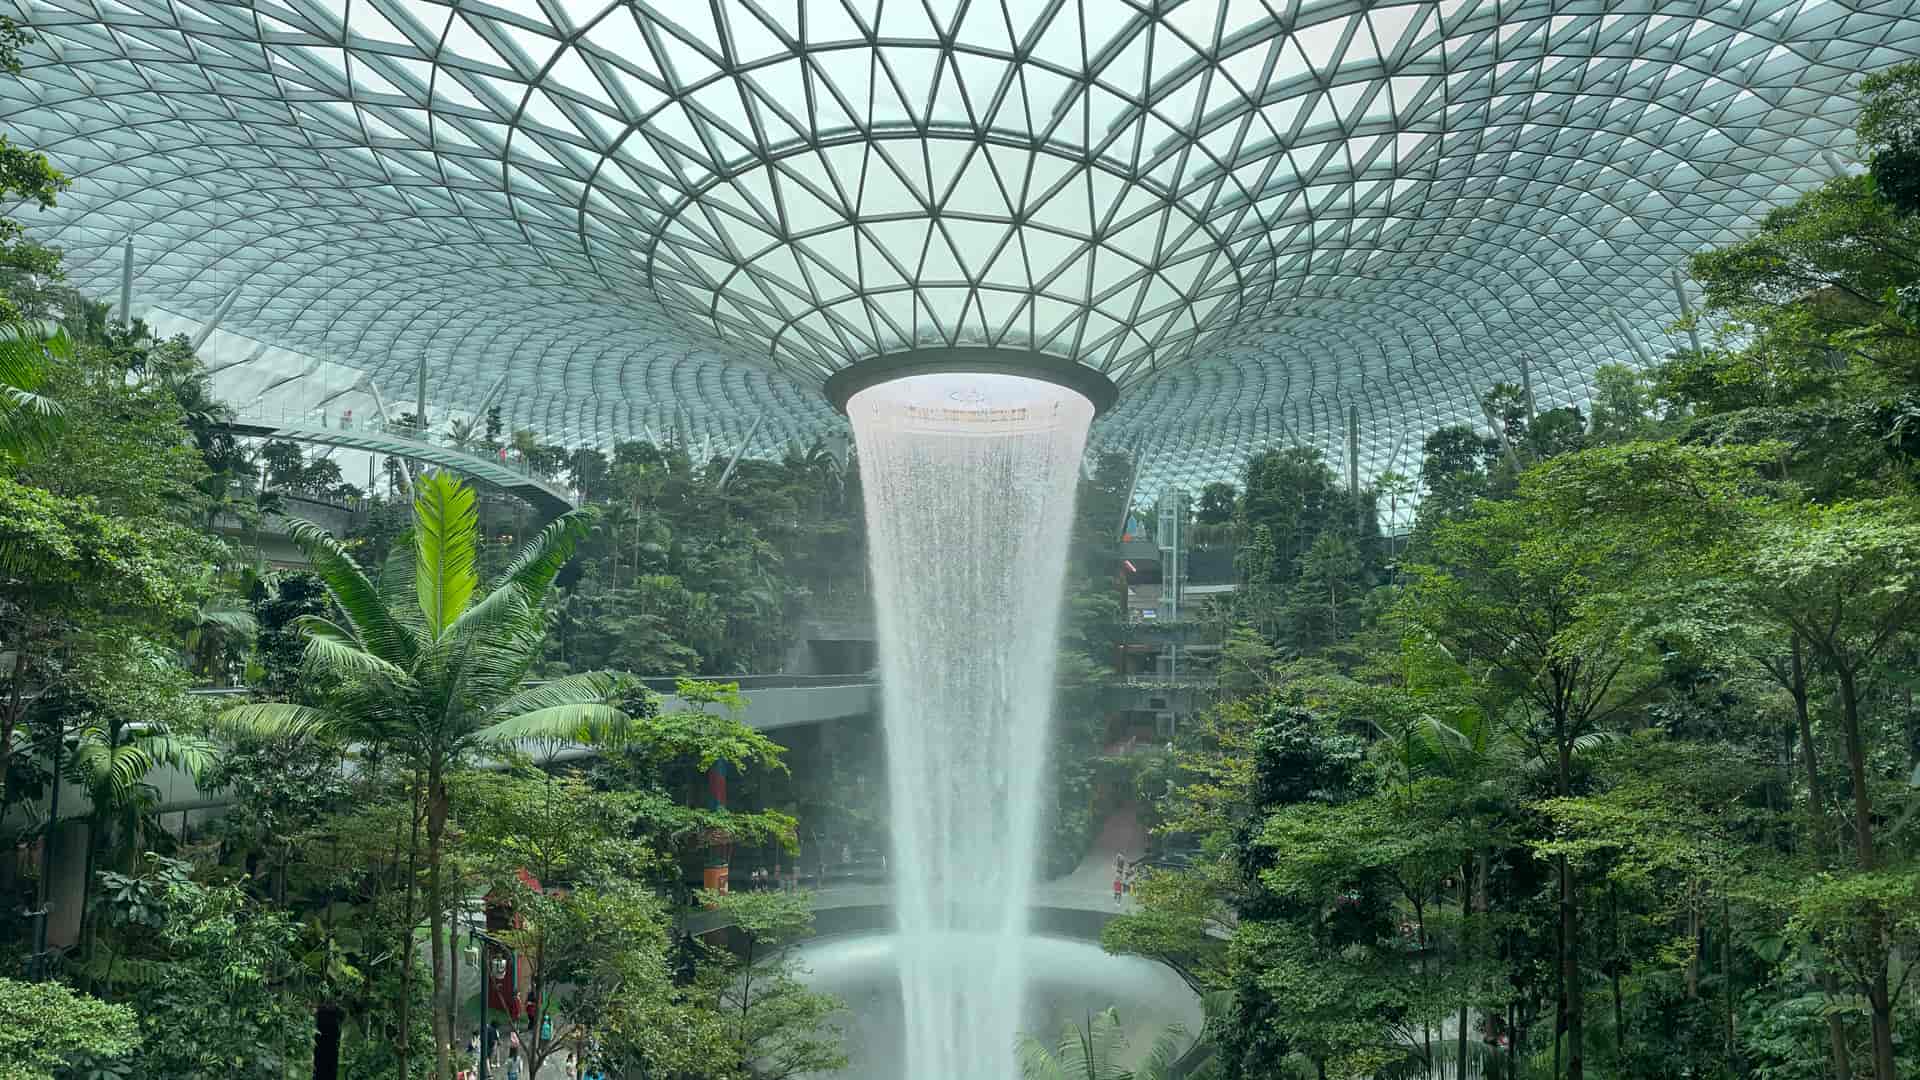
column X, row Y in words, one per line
column 969, row 484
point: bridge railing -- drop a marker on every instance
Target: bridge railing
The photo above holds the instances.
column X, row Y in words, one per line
column 315, row 420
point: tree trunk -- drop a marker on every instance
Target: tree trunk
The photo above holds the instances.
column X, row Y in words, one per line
column 326, row 1042
column 1513, row 1039
column 1817, row 831
column 1882, row 1005
column 1878, row 995
column 403, row 1048
column 1466, row 914
column 1856, row 767
column 437, row 921
column 1726, row 968
column 1619, row 1017
column 1693, row 941
column 16, row 697
column 1570, row 921
column 453, row 983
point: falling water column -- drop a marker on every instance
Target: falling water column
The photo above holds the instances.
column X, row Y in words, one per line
column 969, row 484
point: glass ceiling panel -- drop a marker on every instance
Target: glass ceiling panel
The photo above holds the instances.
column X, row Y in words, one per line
column 641, row 217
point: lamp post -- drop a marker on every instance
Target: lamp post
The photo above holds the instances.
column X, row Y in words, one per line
column 497, row 967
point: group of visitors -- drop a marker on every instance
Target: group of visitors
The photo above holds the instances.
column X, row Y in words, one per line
column 764, row 880
column 504, row 1055
column 1124, row 873
column 487, row 1043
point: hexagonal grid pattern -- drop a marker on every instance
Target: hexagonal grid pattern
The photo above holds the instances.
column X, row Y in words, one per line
column 1253, row 215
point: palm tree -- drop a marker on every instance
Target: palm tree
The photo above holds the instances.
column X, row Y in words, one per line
column 1095, row 1051
column 214, row 626
column 464, row 434
column 431, row 669
column 27, row 417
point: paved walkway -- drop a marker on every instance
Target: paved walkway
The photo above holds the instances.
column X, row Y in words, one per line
column 1088, row 888
column 1120, row 834
column 554, row 1069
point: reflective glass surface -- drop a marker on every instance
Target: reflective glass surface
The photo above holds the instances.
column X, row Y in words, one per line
column 1253, row 215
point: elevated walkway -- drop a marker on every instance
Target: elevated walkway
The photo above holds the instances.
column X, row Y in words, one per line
column 507, row 475
column 773, row 702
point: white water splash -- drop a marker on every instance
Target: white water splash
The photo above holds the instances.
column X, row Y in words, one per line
column 969, row 485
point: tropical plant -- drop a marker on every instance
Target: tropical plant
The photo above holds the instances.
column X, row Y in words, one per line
column 46, row 1027
column 431, row 669
column 1096, row 1050
column 28, row 417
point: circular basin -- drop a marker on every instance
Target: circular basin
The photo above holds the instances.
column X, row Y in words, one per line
column 1070, row 981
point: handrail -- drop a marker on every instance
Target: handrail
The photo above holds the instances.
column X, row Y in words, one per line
column 316, row 425
column 660, row 683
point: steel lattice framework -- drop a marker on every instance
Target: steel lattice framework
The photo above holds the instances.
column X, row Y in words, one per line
column 1251, row 215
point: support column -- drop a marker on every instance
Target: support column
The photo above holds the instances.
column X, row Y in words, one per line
column 1133, row 485
column 719, row 844
column 727, row 473
column 1353, row 470
column 207, row 328
column 420, row 399
column 126, row 285
column 1639, row 347
column 1686, row 309
column 386, row 421
column 486, row 403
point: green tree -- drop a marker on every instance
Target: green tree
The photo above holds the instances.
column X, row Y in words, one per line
column 26, row 177
column 46, row 1029
column 1217, row 503
column 1889, row 132
column 1845, row 579
column 64, row 564
column 433, row 670
column 1622, row 405
column 1508, row 589
column 211, row 975
column 780, row 1028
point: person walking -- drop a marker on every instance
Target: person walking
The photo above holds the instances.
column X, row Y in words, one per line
column 1119, row 877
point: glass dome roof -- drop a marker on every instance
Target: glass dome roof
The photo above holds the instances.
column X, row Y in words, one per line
column 1251, row 215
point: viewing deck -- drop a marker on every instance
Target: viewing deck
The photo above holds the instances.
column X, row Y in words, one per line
column 495, row 470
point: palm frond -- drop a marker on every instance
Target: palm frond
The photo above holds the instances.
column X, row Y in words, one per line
column 533, row 569
column 445, row 531
column 189, row 753
column 506, row 608
column 272, row 720
column 586, row 688
column 373, row 622
column 27, row 417
column 25, row 348
column 332, row 647
column 1167, row 1048
column 128, row 971
column 1036, row 1059
column 492, row 647
column 228, row 619
column 1093, row 1051
column 596, row 725
column 397, row 585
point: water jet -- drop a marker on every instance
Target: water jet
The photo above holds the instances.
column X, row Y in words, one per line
column 969, row 478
